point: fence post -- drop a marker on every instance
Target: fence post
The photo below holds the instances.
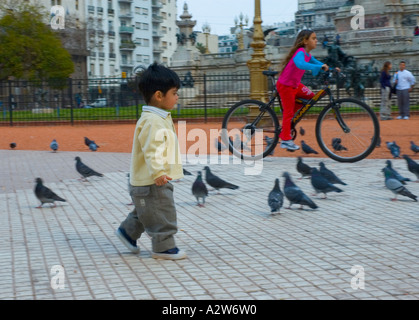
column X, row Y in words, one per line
column 205, row 97
column 10, row 104
column 70, row 93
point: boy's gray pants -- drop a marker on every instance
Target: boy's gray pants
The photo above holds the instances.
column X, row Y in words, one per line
column 154, row 213
column 403, row 102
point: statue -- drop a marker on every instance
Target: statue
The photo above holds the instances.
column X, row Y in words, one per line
column 192, row 37
column 357, row 77
column 181, row 38
column 189, row 81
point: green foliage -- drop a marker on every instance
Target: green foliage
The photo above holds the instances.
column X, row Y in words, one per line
column 30, row 49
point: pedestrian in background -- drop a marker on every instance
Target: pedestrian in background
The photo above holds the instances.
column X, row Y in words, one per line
column 385, row 81
column 404, row 81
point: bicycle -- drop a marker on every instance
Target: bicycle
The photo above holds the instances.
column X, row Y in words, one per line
column 347, row 130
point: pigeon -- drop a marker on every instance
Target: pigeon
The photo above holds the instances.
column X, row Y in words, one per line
column 303, row 168
column 216, row 182
column 412, row 166
column 84, row 170
column 321, row 184
column 302, row 131
column 13, row 145
column 187, row 173
column 329, row 175
column 87, row 141
column 307, row 149
column 199, row 190
column 45, row 195
column 219, row 145
column 394, row 149
column 397, row 175
column 54, row 145
column 93, row 146
column 276, row 198
column 396, row 186
column 336, row 144
column 269, row 141
column 295, row 195
column 414, row 147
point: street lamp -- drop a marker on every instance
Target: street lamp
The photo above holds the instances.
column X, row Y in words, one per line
column 258, row 63
column 239, row 32
column 206, row 29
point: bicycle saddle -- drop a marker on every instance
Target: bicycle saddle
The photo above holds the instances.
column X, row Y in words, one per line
column 270, row 73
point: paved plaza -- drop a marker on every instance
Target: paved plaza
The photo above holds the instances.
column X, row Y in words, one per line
column 357, row 245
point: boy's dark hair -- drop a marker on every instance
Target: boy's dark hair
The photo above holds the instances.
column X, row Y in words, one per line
column 157, row 78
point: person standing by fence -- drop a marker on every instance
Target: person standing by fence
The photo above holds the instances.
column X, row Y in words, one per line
column 385, row 81
column 404, row 81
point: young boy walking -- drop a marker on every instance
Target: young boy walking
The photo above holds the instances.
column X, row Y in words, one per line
column 155, row 161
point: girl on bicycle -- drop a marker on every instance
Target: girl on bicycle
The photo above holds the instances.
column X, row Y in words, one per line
column 289, row 83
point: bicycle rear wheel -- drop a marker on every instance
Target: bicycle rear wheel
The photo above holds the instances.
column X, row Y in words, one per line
column 250, row 129
column 347, row 131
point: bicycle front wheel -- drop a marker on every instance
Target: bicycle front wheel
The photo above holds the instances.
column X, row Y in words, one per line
column 251, row 130
column 348, row 130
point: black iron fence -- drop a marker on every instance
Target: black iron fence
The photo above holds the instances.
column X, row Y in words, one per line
column 203, row 97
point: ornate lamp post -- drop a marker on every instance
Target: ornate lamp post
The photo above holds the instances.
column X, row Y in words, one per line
column 240, row 25
column 206, row 29
column 258, row 63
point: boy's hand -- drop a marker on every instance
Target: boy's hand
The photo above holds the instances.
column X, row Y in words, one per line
column 325, row 67
column 161, row 181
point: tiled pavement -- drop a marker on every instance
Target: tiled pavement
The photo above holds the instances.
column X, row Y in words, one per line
column 236, row 248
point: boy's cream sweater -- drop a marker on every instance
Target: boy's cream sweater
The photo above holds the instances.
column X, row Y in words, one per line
column 155, row 150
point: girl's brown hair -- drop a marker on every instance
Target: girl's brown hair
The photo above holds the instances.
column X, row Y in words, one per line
column 302, row 36
column 386, row 67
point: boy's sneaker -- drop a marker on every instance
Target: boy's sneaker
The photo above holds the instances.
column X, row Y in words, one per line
column 399, row 118
column 127, row 241
column 406, row 118
column 172, row 254
column 290, row 145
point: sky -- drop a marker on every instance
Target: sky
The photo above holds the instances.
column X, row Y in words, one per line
column 220, row 14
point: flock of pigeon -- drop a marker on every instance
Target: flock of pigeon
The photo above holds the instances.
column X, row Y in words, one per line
column 323, row 180
column 46, row 195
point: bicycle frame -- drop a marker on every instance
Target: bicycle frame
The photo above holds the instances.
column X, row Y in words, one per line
column 307, row 105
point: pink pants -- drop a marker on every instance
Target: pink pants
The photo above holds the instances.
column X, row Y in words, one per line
column 288, row 96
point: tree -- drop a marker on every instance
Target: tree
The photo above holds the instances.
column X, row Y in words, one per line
column 30, row 49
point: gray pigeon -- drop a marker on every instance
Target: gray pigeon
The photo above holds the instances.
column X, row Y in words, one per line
column 199, row 190
column 412, row 166
column 329, row 175
column 394, row 149
column 396, row 186
column 414, row 147
column 93, row 146
column 54, row 145
column 84, row 170
column 276, row 198
column 337, row 144
column 45, row 195
column 302, row 131
column 295, row 195
column 88, row 142
column 216, row 182
column 307, row 149
column 397, row 175
column 13, row 145
column 303, row 168
column 321, row 184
